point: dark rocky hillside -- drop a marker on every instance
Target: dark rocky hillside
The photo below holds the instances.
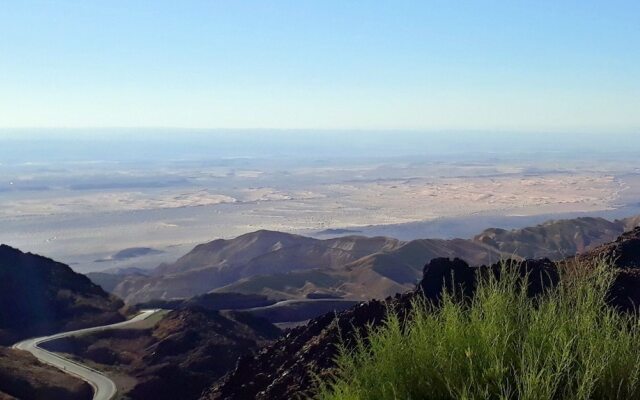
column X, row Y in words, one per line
column 177, row 358
column 40, row 296
column 625, row 253
column 287, row 369
column 25, row 378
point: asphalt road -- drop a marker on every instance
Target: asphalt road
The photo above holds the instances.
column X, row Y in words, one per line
column 103, row 387
column 289, row 302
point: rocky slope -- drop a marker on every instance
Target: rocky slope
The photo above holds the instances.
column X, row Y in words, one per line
column 221, row 262
column 383, row 274
column 281, row 265
column 40, row 296
column 23, row 377
column 178, row 357
column 287, row 369
column 377, row 275
column 556, row 239
column 625, row 253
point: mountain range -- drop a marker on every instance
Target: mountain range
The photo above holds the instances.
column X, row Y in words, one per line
column 286, row 266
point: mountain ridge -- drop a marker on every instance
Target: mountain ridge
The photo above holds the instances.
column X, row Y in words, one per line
column 352, row 266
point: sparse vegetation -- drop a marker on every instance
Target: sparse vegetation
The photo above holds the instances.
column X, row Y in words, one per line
column 564, row 344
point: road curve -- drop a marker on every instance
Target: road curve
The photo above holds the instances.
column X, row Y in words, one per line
column 302, row 301
column 103, row 387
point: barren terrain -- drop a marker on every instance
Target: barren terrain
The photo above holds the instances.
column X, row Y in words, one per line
column 83, row 212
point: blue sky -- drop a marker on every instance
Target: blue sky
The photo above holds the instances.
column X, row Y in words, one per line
column 423, row 65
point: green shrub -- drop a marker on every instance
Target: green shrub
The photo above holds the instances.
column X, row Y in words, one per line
column 564, row 344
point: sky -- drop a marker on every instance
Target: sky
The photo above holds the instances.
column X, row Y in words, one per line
column 526, row 66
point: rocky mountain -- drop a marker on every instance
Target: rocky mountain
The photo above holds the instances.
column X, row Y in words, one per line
column 624, row 251
column 286, row 266
column 23, row 377
column 385, row 273
column 556, row 239
column 176, row 358
column 221, row 262
column 40, row 296
column 288, row 368
column 377, row 275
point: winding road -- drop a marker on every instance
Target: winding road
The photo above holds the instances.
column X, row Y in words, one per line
column 103, row 387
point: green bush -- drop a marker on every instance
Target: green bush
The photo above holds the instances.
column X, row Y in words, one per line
column 564, row 344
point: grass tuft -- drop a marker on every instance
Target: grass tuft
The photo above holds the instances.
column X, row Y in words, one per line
column 564, row 344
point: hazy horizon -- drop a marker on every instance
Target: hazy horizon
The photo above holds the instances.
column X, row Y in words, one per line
column 31, row 145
